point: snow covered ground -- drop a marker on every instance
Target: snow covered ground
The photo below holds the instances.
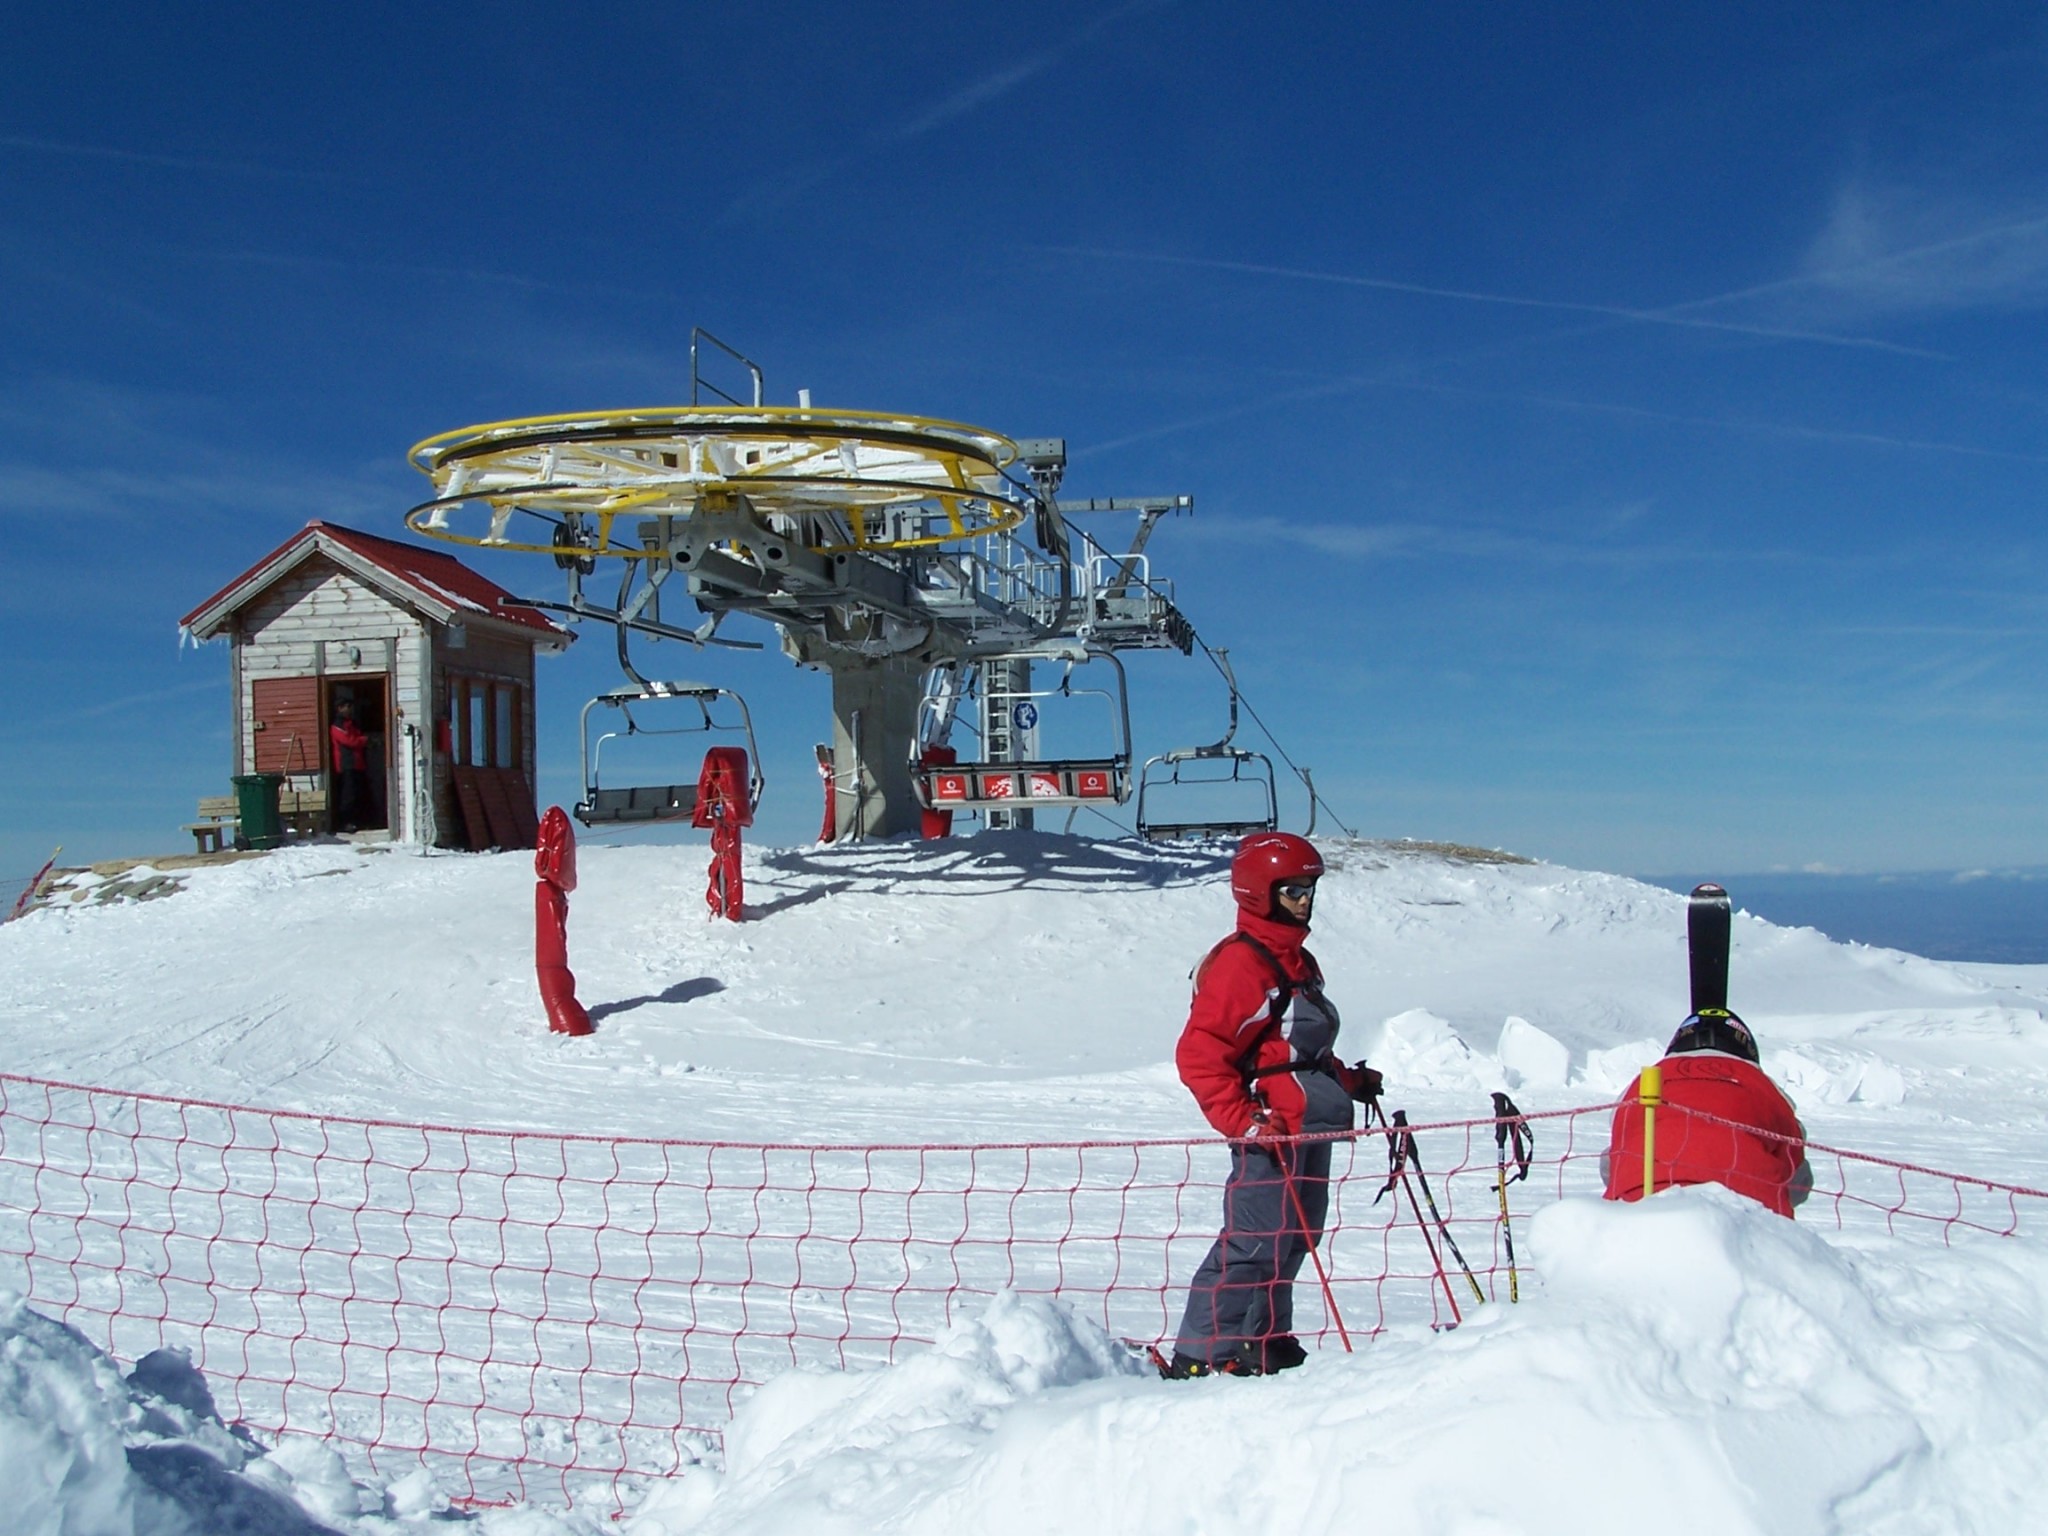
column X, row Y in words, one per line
column 1732, row 1371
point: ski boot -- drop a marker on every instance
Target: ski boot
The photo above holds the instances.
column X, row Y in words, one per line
column 1281, row 1352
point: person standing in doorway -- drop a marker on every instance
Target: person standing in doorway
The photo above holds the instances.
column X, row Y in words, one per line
column 351, row 751
column 1258, row 1053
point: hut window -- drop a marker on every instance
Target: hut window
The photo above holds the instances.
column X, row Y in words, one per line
column 458, row 720
column 484, row 719
column 504, row 726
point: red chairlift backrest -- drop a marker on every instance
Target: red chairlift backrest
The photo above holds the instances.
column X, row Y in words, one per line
column 722, row 790
column 554, row 850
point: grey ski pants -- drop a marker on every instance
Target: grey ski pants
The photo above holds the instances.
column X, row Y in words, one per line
column 1243, row 1291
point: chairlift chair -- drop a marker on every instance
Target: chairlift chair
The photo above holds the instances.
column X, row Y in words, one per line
column 1036, row 783
column 1236, row 785
column 1239, row 783
column 611, row 804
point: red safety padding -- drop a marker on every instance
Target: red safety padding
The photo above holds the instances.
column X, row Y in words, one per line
column 831, row 827
column 551, row 961
column 725, row 893
column 554, row 850
column 937, row 823
column 722, row 790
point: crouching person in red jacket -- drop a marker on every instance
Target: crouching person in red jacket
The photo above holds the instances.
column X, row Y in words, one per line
column 1258, row 1055
column 1754, row 1144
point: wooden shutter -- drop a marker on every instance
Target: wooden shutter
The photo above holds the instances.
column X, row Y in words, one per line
column 287, row 721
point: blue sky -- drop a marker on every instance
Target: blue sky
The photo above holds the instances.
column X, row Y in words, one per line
column 1615, row 435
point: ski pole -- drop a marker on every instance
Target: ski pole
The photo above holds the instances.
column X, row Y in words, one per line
column 1450, row 1242
column 1508, row 1121
column 1301, row 1215
column 1398, row 1147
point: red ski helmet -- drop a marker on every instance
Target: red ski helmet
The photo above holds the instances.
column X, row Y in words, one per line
column 1267, row 859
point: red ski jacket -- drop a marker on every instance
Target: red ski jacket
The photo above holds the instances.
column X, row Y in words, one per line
column 1235, row 1027
column 1761, row 1154
column 349, row 740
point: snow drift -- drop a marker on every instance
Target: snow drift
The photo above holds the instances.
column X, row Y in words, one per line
column 1695, row 1356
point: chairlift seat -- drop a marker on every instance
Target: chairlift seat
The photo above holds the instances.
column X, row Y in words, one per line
column 653, row 804
column 1169, row 831
column 638, row 803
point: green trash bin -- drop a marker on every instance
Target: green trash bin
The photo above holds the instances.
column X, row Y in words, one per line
column 256, row 805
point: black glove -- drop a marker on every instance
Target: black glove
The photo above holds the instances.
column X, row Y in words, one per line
column 1366, row 1083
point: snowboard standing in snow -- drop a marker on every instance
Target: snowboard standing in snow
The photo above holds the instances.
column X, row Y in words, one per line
column 1707, row 916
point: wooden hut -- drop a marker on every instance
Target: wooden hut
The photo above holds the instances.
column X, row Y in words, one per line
column 438, row 673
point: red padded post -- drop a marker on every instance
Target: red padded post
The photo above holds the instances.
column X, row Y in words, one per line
column 723, row 805
column 554, row 865
column 937, row 823
column 831, row 828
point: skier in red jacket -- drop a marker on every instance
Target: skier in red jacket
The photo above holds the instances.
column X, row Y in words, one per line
column 1258, row 1055
column 1754, row 1144
column 349, row 743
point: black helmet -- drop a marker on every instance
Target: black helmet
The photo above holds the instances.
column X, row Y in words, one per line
column 1714, row 1029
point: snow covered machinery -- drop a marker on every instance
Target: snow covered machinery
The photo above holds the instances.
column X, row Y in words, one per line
column 787, row 489
column 1213, row 791
column 887, row 549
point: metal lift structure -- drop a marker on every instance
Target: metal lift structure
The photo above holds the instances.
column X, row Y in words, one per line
column 922, row 563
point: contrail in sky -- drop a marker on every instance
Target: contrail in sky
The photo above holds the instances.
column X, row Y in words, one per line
column 1607, row 408
column 167, row 162
column 1670, row 317
column 1874, row 264
column 969, row 98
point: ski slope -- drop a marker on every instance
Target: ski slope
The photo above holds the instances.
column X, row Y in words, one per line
column 1027, row 987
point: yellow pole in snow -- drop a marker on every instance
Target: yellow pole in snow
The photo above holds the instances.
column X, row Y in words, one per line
column 1650, row 1090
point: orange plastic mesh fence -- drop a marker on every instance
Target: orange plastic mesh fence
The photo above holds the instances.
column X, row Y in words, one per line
column 540, row 1316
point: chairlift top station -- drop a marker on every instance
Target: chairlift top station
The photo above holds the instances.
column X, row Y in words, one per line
column 922, row 563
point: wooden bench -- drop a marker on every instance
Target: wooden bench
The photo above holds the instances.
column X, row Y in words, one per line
column 220, row 818
column 302, row 811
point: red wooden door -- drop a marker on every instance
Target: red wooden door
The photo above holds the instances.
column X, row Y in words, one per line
column 287, row 720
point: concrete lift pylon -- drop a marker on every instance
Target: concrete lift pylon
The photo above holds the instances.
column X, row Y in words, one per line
column 881, row 546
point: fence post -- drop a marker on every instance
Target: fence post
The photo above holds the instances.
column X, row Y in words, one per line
column 1650, row 1090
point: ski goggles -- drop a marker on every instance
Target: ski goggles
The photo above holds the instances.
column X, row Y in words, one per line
column 1296, row 890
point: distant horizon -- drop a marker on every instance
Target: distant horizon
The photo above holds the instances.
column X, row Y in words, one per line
column 1960, row 874
column 1995, row 917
